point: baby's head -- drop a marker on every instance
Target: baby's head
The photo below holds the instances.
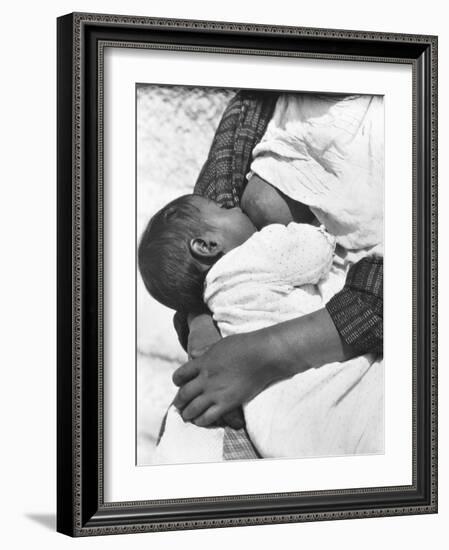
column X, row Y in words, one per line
column 180, row 244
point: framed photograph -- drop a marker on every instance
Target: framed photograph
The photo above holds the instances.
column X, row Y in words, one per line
column 229, row 349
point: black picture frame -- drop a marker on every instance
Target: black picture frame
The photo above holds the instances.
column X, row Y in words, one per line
column 81, row 509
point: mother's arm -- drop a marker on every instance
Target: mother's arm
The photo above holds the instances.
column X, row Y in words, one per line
column 237, row 368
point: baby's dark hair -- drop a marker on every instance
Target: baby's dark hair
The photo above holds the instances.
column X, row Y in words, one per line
column 170, row 273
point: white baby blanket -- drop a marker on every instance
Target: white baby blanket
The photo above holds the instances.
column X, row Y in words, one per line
column 272, row 277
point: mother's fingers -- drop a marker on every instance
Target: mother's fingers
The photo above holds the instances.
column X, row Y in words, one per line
column 196, row 407
column 185, row 373
column 188, row 392
column 209, row 417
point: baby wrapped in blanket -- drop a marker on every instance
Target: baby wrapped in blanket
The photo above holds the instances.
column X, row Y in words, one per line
column 277, row 274
column 284, row 272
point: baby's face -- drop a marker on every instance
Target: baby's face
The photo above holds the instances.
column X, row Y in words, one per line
column 231, row 225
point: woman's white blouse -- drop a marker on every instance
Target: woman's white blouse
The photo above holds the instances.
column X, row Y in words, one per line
column 327, row 151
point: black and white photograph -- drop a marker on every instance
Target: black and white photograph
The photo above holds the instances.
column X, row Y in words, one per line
column 259, row 276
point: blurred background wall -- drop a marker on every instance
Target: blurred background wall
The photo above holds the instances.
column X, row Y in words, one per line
column 175, row 128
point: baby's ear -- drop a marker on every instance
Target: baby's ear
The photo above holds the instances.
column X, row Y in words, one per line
column 205, row 249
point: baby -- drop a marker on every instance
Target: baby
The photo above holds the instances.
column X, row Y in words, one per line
column 180, row 245
column 195, row 253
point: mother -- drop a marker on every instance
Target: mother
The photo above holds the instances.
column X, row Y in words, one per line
column 233, row 370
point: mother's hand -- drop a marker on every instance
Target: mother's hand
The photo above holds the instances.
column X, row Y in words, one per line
column 228, row 374
column 203, row 333
column 237, row 368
